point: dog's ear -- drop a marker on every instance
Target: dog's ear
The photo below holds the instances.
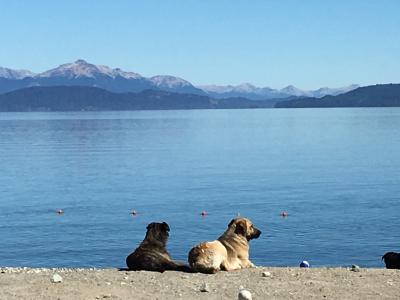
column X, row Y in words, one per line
column 165, row 226
column 241, row 228
column 151, row 225
column 231, row 222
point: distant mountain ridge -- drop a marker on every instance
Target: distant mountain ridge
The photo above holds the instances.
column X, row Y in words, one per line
column 380, row 95
column 83, row 98
column 15, row 74
column 256, row 93
column 82, row 73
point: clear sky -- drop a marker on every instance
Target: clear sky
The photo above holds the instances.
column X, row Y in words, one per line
column 307, row 43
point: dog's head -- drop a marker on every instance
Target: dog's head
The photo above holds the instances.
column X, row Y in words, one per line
column 158, row 231
column 244, row 227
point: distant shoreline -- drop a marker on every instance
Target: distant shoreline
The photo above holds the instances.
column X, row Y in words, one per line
column 87, row 98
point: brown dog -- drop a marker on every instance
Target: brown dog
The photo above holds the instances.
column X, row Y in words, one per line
column 229, row 252
column 151, row 255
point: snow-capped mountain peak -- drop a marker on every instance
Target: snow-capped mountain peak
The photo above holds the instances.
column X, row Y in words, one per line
column 324, row 91
column 79, row 68
column 293, row 91
column 118, row 72
column 241, row 88
column 169, row 81
column 15, row 74
column 245, row 87
column 82, row 68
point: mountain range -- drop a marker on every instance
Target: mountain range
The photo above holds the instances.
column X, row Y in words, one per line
column 256, row 93
column 83, row 86
column 82, row 73
column 380, row 95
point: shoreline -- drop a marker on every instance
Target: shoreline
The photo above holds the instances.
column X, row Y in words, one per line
column 277, row 283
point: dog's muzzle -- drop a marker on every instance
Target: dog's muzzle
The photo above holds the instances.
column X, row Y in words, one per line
column 256, row 234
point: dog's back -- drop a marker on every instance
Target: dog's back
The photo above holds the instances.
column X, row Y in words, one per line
column 151, row 255
column 392, row 260
column 148, row 258
column 207, row 257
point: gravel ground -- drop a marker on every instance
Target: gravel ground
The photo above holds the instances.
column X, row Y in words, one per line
column 277, row 283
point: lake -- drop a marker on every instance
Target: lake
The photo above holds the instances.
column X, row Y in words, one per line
column 335, row 171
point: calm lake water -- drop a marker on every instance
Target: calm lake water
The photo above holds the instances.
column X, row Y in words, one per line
column 335, row 171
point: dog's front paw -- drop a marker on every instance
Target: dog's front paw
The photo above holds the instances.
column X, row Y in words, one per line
column 250, row 265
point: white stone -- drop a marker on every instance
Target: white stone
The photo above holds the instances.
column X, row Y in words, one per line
column 244, row 295
column 204, row 288
column 56, row 278
column 355, row 268
column 266, row 274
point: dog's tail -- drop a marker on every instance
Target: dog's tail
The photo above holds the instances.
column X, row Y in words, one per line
column 184, row 268
column 199, row 268
column 176, row 266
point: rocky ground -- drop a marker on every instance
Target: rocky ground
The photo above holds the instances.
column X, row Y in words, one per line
column 263, row 283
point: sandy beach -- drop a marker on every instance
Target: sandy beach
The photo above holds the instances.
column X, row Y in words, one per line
column 278, row 283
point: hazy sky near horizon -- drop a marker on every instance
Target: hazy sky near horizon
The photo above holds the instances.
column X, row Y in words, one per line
column 308, row 43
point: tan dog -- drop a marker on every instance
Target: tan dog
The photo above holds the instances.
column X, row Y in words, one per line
column 229, row 252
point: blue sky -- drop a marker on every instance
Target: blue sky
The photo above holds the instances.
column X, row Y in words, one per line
column 306, row 43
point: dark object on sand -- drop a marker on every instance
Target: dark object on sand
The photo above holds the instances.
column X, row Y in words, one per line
column 304, row 264
column 151, row 255
column 392, row 260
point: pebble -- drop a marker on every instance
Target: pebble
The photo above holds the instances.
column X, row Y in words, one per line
column 355, row 268
column 304, row 264
column 204, row 288
column 244, row 295
column 56, row 278
column 266, row 274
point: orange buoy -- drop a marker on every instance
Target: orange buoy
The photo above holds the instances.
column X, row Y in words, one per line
column 203, row 213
